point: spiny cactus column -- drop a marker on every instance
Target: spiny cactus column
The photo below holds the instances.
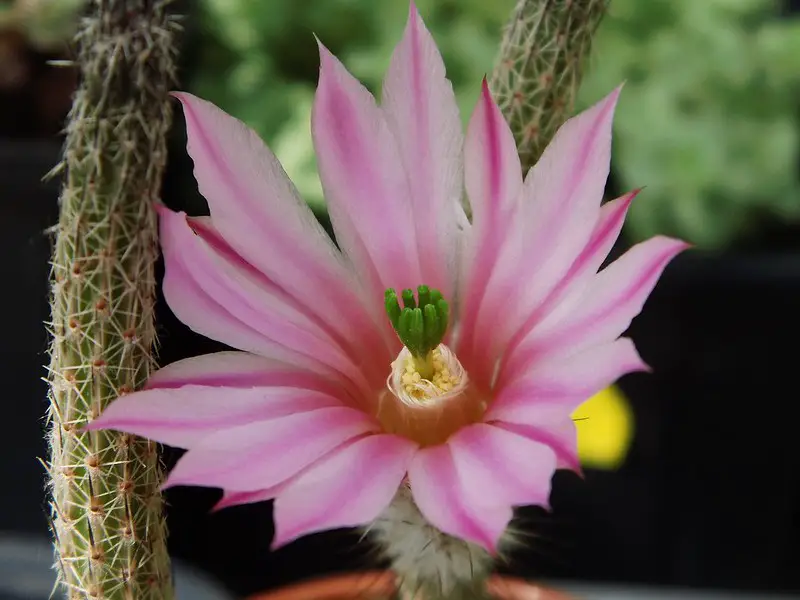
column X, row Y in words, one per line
column 109, row 531
column 539, row 67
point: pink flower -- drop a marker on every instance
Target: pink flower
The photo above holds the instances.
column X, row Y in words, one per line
column 303, row 412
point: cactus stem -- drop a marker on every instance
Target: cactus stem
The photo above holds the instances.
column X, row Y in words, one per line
column 539, row 68
column 106, row 508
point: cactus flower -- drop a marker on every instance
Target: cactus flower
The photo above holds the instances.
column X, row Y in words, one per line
column 428, row 349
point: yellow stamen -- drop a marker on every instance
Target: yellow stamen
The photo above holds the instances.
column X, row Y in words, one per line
column 441, row 382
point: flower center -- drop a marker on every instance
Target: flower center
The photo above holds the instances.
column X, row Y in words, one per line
column 444, row 376
column 428, row 395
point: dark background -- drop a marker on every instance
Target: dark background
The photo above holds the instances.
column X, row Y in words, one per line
column 708, row 497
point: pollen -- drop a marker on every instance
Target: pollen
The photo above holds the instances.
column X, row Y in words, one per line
column 407, row 381
column 441, row 382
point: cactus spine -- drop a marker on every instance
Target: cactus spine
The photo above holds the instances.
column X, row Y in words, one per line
column 539, row 68
column 110, row 535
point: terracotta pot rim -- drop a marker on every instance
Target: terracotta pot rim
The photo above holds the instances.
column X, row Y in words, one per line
column 362, row 584
column 372, row 585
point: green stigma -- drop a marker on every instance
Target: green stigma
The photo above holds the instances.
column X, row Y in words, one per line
column 421, row 323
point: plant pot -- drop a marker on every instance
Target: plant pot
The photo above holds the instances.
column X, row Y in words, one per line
column 378, row 585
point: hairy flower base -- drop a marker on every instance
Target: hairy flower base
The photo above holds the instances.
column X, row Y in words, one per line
column 429, row 410
column 427, row 562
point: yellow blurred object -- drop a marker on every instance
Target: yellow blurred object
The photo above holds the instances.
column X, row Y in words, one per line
column 605, row 429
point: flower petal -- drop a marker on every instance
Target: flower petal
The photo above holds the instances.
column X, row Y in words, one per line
column 270, row 297
column 559, row 434
column 186, row 416
column 604, row 235
column 493, row 174
column 262, row 454
column 364, row 182
column 543, row 420
column 238, row 370
column 351, row 486
column 497, row 467
column 568, row 379
column 441, row 498
column 542, row 411
column 571, row 287
column 257, row 210
column 610, row 302
column 421, row 110
column 565, row 187
column 493, row 178
column 559, row 210
column 205, row 315
column 289, row 334
column 238, row 498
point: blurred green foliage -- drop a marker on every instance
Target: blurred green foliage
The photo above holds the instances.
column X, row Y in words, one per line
column 709, row 118
column 46, row 24
column 708, row 121
column 259, row 60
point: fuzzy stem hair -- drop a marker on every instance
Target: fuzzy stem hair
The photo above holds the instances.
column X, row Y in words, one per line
column 106, row 507
column 429, row 564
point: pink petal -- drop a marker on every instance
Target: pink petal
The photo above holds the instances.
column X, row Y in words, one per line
column 351, row 486
column 541, row 420
column 193, row 305
column 497, row 467
column 265, row 292
column 186, row 416
column 440, row 496
column 493, row 174
column 604, row 235
column 364, row 181
column 610, row 302
column 257, row 210
column 565, row 188
column 238, row 370
column 560, row 208
column 421, row 110
column 568, row 379
column 560, row 435
column 570, row 289
column 262, row 454
column 289, row 335
column 237, row 498
column 493, row 178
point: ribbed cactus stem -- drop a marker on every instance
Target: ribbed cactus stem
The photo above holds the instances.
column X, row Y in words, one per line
column 110, row 534
column 539, row 67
